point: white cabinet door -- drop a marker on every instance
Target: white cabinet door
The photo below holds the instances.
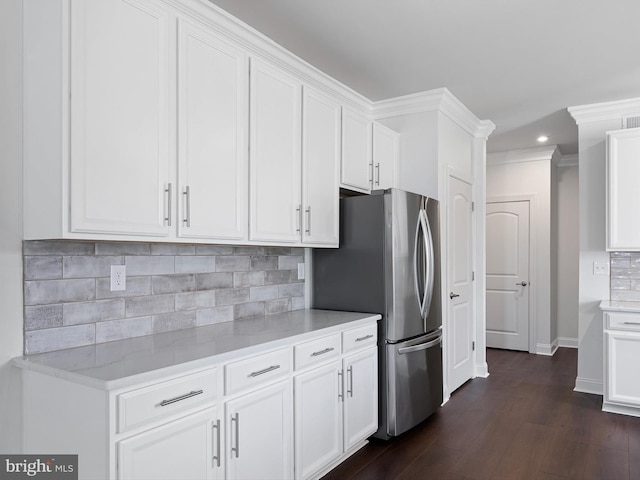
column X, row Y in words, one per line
column 385, row 154
column 121, row 110
column 623, row 207
column 361, row 397
column 260, row 434
column 320, row 164
column 212, row 142
column 623, row 357
column 184, row 448
column 275, row 165
column 318, row 418
column 356, row 169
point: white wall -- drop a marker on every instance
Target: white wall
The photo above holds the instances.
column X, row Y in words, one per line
column 508, row 178
column 568, row 243
column 10, row 224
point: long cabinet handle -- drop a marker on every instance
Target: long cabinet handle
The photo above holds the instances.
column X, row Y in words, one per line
column 236, row 448
column 298, row 218
column 266, row 370
column 360, row 339
column 632, row 323
column 350, row 381
column 216, row 455
column 322, row 352
column 378, row 174
column 187, row 202
column 169, row 193
column 193, row 393
column 308, row 212
column 340, row 387
column 371, row 174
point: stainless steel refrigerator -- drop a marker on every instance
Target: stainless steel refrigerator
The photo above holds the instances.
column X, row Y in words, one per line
column 389, row 263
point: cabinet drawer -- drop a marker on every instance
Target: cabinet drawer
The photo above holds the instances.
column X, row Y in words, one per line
column 623, row 321
column 147, row 404
column 358, row 338
column 316, row 351
column 256, row 370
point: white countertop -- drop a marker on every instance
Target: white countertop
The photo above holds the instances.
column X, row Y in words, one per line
column 125, row 362
column 615, row 306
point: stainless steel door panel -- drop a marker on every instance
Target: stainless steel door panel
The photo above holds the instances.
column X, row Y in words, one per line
column 414, row 381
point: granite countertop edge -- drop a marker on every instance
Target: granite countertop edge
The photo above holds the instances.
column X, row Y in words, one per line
column 123, row 363
column 619, row 306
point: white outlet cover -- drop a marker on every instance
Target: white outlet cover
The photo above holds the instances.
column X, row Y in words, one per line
column 601, row 268
column 118, row 278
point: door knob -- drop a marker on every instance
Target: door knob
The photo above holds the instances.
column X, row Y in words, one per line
column 453, row 295
column 522, row 284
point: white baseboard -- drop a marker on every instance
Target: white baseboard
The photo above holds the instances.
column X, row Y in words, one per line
column 547, row 349
column 622, row 409
column 588, row 385
column 482, row 370
column 567, row 342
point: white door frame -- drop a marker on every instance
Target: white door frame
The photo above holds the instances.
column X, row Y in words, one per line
column 533, row 259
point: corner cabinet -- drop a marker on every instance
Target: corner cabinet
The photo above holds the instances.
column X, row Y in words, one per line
column 621, row 360
column 623, row 207
column 385, row 157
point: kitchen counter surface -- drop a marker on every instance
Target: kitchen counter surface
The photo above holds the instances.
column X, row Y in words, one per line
column 125, row 362
column 613, row 306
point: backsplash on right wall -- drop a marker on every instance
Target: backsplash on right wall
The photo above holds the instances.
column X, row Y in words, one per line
column 625, row 276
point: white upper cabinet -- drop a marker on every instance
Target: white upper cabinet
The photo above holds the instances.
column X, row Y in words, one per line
column 385, row 156
column 356, row 168
column 320, row 167
column 121, row 115
column 275, row 155
column 212, row 142
column 623, row 204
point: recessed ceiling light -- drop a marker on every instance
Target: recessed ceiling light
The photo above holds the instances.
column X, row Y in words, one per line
column 542, row 138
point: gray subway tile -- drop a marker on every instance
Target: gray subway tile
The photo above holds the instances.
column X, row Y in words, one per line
column 278, row 251
column 625, row 296
column 233, row 263
column 185, row 282
column 211, row 281
column 121, row 329
column 209, row 316
column 42, row 267
column 214, row 250
column 89, row 266
column 51, row 339
column 634, row 262
column 172, row 249
column 297, row 303
column 42, row 316
column 195, row 264
column 247, row 310
column 297, row 251
column 122, row 248
column 232, row 296
column 289, row 262
column 634, row 285
column 135, row 286
column 248, row 279
column 58, row 247
column 620, row 262
column 277, row 306
column 168, row 322
column 193, row 300
column 40, row 292
column 149, row 265
column 277, row 277
column 625, row 273
column 292, row 290
column 620, row 284
column 151, row 305
column 249, row 250
column 91, row 312
column 262, row 262
column 269, row 292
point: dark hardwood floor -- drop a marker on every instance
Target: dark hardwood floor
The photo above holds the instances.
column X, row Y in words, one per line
column 522, row 422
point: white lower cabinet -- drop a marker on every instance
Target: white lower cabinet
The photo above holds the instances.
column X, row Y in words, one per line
column 185, row 448
column 360, row 405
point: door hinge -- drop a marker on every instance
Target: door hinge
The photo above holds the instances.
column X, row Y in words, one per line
column 473, row 346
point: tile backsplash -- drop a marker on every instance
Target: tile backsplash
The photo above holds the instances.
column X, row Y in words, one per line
column 625, row 276
column 68, row 301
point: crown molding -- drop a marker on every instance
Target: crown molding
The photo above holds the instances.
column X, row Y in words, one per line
column 570, row 160
column 597, row 112
column 437, row 100
column 550, row 153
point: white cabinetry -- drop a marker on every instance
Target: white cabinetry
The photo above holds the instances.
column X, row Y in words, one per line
column 360, row 407
column 385, row 156
column 623, row 204
column 212, row 125
column 356, row 167
column 621, row 360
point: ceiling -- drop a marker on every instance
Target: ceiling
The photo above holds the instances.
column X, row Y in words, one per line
column 518, row 63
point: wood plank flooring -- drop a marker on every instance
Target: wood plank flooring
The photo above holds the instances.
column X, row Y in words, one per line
column 522, row 422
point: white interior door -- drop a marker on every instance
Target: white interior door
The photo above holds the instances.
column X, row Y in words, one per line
column 460, row 292
column 508, row 275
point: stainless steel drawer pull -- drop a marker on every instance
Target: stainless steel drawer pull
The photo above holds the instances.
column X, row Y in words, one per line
column 322, row 352
column 236, row 449
column 187, row 202
column 340, row 387
column 216, row 439
column 193, row 393
column 168, row 191
column 350, row 381
column 359, row 339
column 266, row 370
column 632, row 323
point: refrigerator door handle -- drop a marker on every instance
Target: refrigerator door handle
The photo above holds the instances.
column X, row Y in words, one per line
column 416, row 261
column 430, row 270
column 420, row 346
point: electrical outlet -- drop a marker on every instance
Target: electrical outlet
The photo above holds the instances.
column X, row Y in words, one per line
column 301, row 271
column 118, row 277
column 601, row 268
